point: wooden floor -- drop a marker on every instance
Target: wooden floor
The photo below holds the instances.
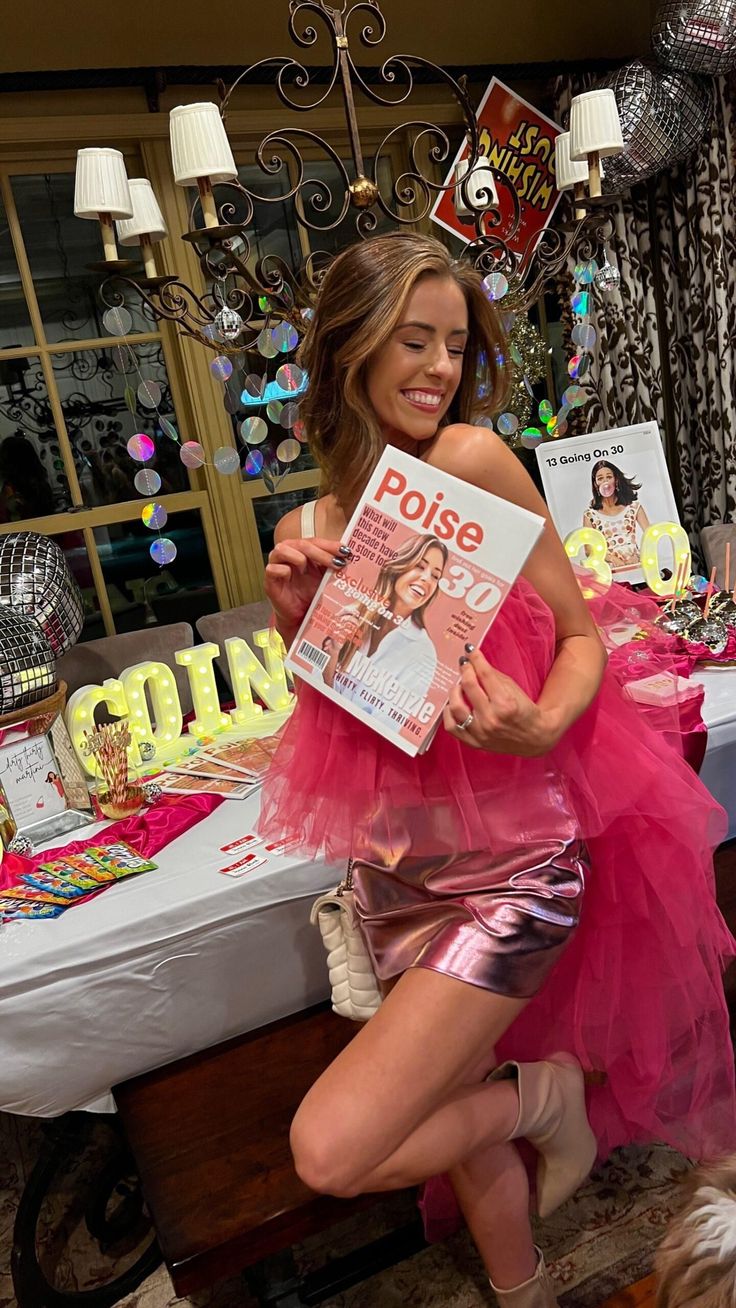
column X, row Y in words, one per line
column 640, row 1295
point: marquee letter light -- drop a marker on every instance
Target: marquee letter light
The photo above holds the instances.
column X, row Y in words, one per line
column 649, row 554
column 80, row 717
column 595, row 560
column 248, row 674
column 209, row 717
column 161, row 684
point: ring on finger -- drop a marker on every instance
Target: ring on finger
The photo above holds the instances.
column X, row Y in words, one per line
column 463, row 726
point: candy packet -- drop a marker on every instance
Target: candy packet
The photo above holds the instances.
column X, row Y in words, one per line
column 59, row 867
column 120, row 859
column 89, row 867
column 36, row 896
column 18, row 910
column 53, row 885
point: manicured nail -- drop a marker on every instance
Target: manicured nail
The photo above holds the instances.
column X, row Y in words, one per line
column 337, row 562
column 469, row 649
column 346, row 550
column 464, row 660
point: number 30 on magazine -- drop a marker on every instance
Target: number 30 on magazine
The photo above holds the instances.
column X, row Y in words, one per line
column 481, row 597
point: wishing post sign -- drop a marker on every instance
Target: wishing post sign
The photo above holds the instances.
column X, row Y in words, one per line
column 146, row 695
column 519, row 143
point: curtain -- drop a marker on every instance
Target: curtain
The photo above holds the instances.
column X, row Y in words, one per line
column 691, row 344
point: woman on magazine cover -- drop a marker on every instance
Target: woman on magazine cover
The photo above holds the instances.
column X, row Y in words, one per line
column 615, row 511
column 391, row 634
column 536, row 890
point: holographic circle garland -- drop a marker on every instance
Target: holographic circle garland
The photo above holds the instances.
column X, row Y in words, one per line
column 262, row 399
column 526, row 356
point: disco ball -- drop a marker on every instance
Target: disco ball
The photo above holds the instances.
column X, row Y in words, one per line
column 650, row 125
column 27, row 671
column 35, row 580
column 696, row 36
column 693, row 97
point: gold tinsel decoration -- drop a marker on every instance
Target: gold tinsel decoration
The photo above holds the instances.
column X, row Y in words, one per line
column 527, row 366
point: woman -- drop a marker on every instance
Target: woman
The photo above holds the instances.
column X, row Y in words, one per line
column 471, row 864
column 391, row 634
column 615, row 510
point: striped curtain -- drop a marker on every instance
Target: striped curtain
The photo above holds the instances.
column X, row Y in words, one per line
column 693, row 210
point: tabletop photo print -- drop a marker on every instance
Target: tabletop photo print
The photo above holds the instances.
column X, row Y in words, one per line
column 615, row 482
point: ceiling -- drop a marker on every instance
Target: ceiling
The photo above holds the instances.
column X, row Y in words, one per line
column 46, row 36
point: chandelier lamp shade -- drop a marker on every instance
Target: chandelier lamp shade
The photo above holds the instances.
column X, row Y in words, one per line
column 201, row 153
column 146, row 226
column 595, row 132
column 475, row 189
column 101, row 192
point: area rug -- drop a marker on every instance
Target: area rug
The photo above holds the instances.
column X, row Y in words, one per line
column 598, row 1243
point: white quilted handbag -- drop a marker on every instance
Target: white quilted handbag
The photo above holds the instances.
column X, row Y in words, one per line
column 355, row 991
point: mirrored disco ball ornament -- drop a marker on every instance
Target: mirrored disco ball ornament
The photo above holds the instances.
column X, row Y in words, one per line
column 228, row 324
column 27, row 671
column 36, row 581
column 697, row 36
column 608, row 278
column 650, row 125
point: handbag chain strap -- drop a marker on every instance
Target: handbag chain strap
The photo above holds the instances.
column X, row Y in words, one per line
column 347, row 884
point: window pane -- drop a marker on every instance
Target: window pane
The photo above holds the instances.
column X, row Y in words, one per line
column 143, row 594
column 271, row 508
column 15, row 324
column 75, row 552
column 92, row 390
column 32, row 477
column 59, row 248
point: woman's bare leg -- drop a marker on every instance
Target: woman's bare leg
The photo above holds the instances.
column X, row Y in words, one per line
column 406, row 1101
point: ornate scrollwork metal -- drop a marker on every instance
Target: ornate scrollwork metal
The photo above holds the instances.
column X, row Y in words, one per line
column 267, row 292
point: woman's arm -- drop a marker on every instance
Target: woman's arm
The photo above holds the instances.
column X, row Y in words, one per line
column 294, row 571
column 518, row 726
column 642, row 518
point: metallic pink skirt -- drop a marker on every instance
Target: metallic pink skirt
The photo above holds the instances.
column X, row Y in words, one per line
column 496, row 921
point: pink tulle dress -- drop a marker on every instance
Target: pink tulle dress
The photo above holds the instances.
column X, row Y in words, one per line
column 583, row 879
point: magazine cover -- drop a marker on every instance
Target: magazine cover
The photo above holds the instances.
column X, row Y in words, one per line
column 433, row 560
column 614, row 481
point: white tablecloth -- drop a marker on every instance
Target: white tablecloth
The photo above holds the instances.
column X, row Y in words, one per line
column 181, row 958
column 155, row 968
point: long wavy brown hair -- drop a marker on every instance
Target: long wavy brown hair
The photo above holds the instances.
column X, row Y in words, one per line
column 360, row 304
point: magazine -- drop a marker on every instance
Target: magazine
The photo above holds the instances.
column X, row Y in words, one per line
column 433, row 559
column 176, row 783
column 250, row 759
column 200, row 765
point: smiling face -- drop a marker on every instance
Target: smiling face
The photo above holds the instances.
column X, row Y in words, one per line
column 605, row 481
column 413, row 378
column 415, row 587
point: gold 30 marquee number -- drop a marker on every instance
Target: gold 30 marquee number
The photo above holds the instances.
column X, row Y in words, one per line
column 595, row 549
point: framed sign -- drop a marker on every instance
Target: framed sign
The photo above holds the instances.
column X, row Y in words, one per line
column 519, row 142
column 613, row 481
column 42, row 783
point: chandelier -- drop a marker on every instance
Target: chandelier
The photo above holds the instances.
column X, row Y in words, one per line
column 264, row 304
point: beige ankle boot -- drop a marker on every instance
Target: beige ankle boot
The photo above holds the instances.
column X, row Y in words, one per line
column 535, row 1293
column 552, row 1117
